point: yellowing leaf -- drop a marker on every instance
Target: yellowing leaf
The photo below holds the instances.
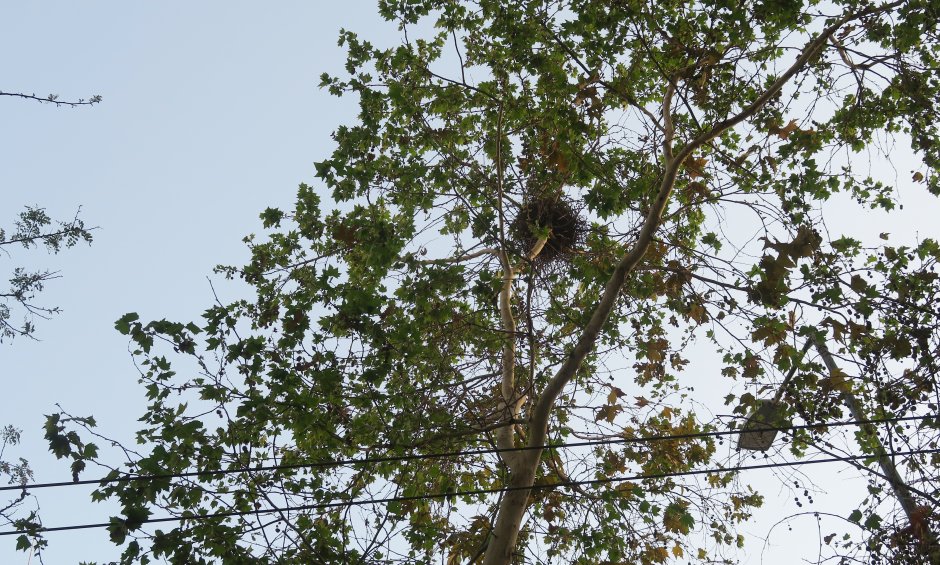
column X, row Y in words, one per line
column 655, row 350
column 615, row 393
column 838, row 328
column 608, row 412
column 772, row 162
column 858, row 284
column 658, row 554
column 751, row 367
column 695, row 166
column 627, row 489
column 839, row 381
column 696, row 189
column 785, row 131
column 697, row 313
column 677, row 551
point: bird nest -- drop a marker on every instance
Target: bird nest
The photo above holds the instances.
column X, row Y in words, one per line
column 552, row 214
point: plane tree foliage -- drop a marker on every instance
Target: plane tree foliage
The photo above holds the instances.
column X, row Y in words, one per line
column 542, row 207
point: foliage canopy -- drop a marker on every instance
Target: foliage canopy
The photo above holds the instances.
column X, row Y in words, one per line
column 543, row 204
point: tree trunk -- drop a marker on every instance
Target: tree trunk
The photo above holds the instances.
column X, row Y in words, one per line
column 505, row 534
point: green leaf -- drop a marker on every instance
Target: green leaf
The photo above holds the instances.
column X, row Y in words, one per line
column 271, row 218
column 873, row 521
column 23, row 543
column 711, row 239
column 117, row 530
column 123, row 324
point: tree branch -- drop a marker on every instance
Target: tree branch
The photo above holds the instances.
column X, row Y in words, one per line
column 540, row 416
column 54, row 99
column 460, row 258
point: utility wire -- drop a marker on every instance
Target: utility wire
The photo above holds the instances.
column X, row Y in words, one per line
column 445, row 495
column 758, row 428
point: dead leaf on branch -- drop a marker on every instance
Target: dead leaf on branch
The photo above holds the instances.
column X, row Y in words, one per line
column 695, row 166
column 785, row 131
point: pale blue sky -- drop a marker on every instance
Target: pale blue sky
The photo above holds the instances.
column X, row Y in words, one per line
column 211, row 112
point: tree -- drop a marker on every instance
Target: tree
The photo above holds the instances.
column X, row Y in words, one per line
column 16, row 472
column 542, row 206
column 34, row 228
column 30, row 231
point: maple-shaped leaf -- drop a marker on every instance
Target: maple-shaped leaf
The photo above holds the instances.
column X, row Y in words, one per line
column 615, row 393
column 858, row 284
column 695, row 166
column 697, row 190
column 839, row 381
column 785, row 131
column 608, row 412
column 697, row 313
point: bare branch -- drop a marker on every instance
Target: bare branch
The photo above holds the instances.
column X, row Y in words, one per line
column 54, row 99
column 460, row 258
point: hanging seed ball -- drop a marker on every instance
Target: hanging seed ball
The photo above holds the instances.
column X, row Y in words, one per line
column 552, row 213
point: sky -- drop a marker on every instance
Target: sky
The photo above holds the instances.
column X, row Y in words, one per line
column 210, row 113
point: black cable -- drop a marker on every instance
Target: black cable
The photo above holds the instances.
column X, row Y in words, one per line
column 388, row 459
column 374, row 501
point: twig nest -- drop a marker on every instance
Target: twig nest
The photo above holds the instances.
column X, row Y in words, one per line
column 551, row 214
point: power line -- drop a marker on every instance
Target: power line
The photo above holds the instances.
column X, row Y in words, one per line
column 440, row 495
column 494, row 450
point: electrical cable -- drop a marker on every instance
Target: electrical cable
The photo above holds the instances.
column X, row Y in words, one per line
column 432, row 496
column 494, row 450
